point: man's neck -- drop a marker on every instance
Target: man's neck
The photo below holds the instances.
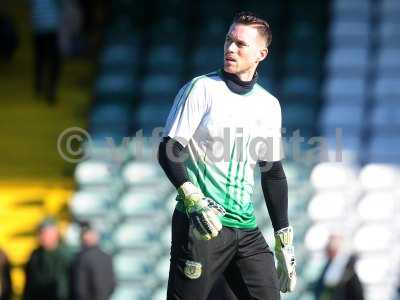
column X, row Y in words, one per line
column 236, row 85
column 246, row 76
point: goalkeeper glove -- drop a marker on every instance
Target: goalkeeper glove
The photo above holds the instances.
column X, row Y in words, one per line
column 203, row 212
column 284, row 253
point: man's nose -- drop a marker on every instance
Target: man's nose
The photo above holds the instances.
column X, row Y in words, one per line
column 231, row 47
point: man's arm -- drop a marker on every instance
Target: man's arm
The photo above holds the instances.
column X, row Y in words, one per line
column 275, row 189
column 171, row 155
column 274, row 185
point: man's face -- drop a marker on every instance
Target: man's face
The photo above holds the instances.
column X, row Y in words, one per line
column 49, row 238
column 244, row 48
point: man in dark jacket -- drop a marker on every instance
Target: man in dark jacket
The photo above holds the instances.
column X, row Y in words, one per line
column 48, row 267
column 338, row 280
column 92, row 275
column 5, row 277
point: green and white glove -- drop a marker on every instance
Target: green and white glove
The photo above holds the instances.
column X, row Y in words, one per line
column 203, row 212
column 284, row 253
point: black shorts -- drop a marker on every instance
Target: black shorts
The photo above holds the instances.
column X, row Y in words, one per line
column 242, row 256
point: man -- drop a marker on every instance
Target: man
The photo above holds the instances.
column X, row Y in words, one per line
column 47, row 271
column 338, row 280
column 93, row 275
column 220, row 126
column 6, row 288
column 46, row 16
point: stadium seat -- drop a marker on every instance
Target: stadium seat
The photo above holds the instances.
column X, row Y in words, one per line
column 93, row 172
column 111, row 85
column 161, row 85
column 328, row 206
column 316, row 237
column 379, row 176
column 349, row 118
column 142, row 201
column 164, row 58
column 330, row 175
column 385, row 119
column 377, row 206
column 351, row 9
column 348, row 31
column 135, row 234
column 119, row 55
column 91, row 203
column 384, row 149
column 387, row 89
column 133, row 266
column 128, row 291
column 374, row 269
column 344, row 90
column 347, row 61
column 388, row 64
column 382, row 236
column 141, row 172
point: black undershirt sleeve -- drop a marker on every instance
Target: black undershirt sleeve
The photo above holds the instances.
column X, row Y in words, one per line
column 275, row 189
column 171, row 157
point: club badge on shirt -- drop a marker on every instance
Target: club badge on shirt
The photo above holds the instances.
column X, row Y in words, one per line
column 192, row 269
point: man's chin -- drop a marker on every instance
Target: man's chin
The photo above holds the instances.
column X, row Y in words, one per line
column 229, row 69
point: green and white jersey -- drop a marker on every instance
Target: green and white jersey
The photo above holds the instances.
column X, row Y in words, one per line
column 225, row 134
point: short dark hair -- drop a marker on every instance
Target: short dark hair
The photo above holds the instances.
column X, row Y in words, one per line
column 251, row 19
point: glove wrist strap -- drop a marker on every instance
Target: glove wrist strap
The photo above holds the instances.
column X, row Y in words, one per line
column 284, row 236
column 190, row 194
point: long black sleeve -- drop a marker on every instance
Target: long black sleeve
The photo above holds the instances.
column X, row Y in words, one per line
column 171, row 156
column 275, row 189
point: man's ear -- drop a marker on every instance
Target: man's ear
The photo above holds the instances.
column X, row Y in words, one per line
column 263, row 53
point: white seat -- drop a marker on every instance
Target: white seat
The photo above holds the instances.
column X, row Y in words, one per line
column 135, row 235
column 93, row 172
column 132, row 266
column 90, row 203
column 317, row 236
column 127, row 291
column 160, row 293
column 330, row 175
column 161, row 269
column 328, row 206
column 141, row 172
column 373, row 269
column 373, row 237
column 142, row 202
column 379, row 176
column 377, row 206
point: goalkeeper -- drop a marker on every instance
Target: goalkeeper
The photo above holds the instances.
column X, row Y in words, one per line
column 220, row 127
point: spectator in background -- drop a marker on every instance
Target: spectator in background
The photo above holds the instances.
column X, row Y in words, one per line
column 46, row 19
column 5, row 277
column 48, row 268
column 338, row 280
column 8, row 37
column 92, row 275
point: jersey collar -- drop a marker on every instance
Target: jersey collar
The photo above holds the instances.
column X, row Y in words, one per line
column 236, row 85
